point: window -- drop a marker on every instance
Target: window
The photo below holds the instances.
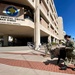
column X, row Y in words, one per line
column 51, row 17
column 52, row 27
column 40, row 18
column 40, row 1
column 47, row 1
column 52, row 1
column 28, row 14
column 48, row 13
column 48, row 26
column 51, row 7
column 32, row 0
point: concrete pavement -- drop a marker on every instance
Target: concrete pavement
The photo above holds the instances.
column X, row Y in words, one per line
column 26, row 61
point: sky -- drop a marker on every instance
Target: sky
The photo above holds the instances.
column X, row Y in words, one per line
column 66, row 9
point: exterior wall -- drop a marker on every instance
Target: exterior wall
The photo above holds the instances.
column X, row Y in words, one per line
column 43, row 6
column 60, row 23
column 46, row 21
column 50, row 11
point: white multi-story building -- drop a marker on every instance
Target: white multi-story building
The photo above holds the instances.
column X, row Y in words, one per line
column 29, row 21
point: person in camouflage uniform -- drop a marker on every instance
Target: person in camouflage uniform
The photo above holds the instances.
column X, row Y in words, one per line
column 70, row 53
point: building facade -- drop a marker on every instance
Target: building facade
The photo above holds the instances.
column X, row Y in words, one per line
column 60, row 24
column 23, row 21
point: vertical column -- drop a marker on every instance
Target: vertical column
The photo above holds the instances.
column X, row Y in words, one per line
column 57, row 41
column 54, row 40
column 5, row 37
column 49, row 38
column 37, row 26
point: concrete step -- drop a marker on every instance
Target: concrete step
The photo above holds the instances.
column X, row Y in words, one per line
column 15, row 48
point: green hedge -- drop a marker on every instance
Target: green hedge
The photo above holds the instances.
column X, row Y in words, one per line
column 53, row 43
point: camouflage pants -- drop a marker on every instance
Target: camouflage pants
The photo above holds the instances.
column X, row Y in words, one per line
column 70, row 58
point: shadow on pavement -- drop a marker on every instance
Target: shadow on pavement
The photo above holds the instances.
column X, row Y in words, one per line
column 54, row 62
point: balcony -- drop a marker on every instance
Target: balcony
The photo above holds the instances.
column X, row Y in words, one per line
column 15, row 26
column 29, row 3
column 44, row 14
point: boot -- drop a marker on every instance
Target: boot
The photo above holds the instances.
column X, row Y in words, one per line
column 63, row 67
column 73, row 69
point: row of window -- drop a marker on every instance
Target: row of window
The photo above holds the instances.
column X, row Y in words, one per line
column 42, row 2
column 32, row 0
column 51, row 16
column 47, row 25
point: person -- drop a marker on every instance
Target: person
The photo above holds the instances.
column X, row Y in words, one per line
column 48, row 47
column 70, row 52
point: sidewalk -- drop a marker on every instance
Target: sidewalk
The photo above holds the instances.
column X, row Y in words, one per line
column 28, row 62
